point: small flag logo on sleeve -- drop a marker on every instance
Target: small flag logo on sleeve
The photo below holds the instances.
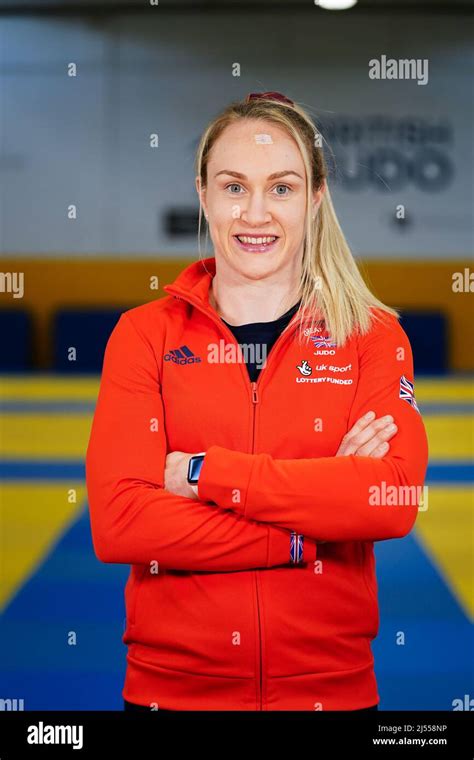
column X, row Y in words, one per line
column 407, row 392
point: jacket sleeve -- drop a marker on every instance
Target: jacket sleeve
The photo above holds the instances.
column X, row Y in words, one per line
column 346, row 497
column 133, row 518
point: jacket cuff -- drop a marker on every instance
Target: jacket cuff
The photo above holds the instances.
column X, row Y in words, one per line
column 224, row 478
column 279, row 552
column 310, row 550
column 278, row 547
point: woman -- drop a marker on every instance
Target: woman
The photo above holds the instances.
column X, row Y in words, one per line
column 232, row 461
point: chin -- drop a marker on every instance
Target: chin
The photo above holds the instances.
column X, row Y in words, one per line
column 258, row 265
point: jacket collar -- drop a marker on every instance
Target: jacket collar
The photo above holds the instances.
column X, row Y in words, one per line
column 194, row 283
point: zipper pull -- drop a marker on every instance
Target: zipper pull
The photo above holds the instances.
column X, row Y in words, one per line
column 254, row 392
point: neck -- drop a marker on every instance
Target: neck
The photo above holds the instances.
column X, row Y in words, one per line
column 239, row 299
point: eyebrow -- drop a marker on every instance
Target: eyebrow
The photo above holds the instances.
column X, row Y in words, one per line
column 275, row 175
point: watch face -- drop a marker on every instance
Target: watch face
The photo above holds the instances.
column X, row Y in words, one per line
column 194, row 468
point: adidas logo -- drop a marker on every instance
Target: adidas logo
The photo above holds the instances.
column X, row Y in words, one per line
column 182, row 355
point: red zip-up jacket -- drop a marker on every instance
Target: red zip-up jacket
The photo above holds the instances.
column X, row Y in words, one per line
column 217, row 616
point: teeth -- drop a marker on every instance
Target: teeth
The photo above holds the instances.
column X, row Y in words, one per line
column 256, row 241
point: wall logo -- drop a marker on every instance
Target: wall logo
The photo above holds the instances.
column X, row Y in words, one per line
column 392, row 153
column 182, row 355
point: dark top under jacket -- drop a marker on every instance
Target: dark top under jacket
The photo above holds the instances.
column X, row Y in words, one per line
column 264, row 333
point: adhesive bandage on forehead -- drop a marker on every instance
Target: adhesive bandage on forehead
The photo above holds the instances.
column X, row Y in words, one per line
column 263, row 139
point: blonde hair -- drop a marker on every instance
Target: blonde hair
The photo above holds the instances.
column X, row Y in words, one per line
column 331, row 285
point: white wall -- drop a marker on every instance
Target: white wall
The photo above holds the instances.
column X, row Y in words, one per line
column 84, row 140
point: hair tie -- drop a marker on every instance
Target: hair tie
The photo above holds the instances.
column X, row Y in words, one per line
column 270, row 95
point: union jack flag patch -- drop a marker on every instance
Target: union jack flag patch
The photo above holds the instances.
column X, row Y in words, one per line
column 407, row 392
column 296, row 547
column 322, row 341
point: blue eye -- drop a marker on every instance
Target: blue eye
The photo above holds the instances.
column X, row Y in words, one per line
column 236, row 184
column 288, row 188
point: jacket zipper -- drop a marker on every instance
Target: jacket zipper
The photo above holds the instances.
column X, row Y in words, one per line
column 223, row 327
column 255, row 399
column 256, row 576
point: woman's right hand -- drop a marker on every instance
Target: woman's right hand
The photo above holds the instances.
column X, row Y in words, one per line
column 368, row 437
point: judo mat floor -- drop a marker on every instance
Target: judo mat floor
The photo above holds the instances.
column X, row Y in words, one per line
column 63, row 612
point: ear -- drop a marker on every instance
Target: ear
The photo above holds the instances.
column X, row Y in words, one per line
column 201, row 191
column 318, row 197
column 318, row 194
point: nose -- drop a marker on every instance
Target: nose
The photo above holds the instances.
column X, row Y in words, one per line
column 255, row 211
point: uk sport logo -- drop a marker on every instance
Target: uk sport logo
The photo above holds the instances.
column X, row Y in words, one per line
column 407, row 392
column 182, row 355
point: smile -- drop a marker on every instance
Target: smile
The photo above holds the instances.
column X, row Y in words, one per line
column 256, row 244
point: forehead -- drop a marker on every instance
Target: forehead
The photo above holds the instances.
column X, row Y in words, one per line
column 249, row 146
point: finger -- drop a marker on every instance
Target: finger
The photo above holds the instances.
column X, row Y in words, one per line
column 371, row 430
column 365, row 435
column 361, row 423
column 381, row 437
column 380, row 451
column 359, row 434
column 345, row 444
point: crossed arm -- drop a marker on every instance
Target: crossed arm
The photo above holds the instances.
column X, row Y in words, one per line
column 340, row 498
column 135, row 519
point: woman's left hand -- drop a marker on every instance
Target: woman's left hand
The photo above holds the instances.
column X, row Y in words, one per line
column 176, row 475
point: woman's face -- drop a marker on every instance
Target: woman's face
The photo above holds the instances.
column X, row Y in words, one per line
column 243, row 197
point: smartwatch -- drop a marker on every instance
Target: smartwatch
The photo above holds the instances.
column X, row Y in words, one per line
column 194, row 468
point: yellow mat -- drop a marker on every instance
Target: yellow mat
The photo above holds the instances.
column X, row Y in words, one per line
column 34, row 517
